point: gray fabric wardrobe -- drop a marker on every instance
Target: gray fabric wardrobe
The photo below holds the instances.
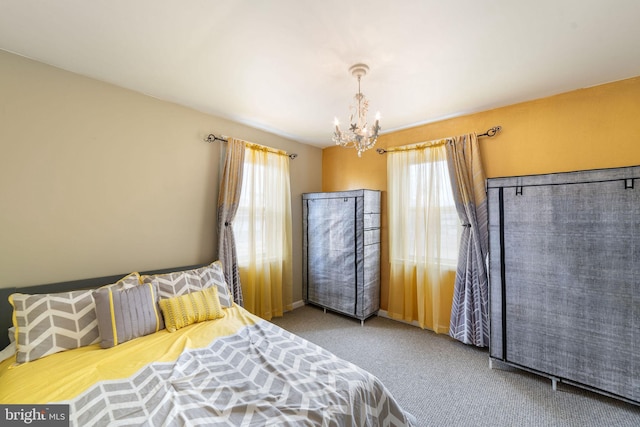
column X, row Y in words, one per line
column 341, row 251
column 564, row 270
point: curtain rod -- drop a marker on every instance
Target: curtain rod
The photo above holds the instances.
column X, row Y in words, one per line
column 223, row 138
column 489, row 133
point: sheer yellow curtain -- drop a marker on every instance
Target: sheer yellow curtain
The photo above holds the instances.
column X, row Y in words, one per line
column 424, row 232
column 263, row 232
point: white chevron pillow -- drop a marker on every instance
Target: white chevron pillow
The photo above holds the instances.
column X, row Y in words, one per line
column 50, row 323
column 129, row 281
column 183, row 282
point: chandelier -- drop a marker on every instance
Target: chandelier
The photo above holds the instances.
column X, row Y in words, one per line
column 358, row 136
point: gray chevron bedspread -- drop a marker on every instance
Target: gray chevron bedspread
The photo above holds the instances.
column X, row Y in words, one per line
column 249, row 373
column 261, row 376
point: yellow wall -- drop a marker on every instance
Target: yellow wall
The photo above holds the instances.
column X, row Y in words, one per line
column 597, row 127
column 97, row 180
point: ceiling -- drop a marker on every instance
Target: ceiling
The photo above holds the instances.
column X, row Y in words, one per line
column 282, row 65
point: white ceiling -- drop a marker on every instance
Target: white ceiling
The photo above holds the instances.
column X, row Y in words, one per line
column 281, row 65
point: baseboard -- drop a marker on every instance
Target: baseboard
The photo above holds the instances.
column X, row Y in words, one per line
column 298, row 304
column 385, row 314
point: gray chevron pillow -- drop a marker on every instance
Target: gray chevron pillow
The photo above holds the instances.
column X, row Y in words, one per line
column 128, row 281
column 183, row 282
column 50, row 323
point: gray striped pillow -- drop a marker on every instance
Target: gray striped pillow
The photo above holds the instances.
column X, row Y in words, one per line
column 127, row 313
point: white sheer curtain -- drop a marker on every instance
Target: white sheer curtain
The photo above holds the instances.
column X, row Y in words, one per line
column 424, row 235
column 262, row 229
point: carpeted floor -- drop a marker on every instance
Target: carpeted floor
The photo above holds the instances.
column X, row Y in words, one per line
column 446, row 383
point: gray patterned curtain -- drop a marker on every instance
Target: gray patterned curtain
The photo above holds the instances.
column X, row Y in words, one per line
column 469, row 312
column 228, row 200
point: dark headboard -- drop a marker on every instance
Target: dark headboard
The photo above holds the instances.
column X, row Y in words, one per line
column 6, row 310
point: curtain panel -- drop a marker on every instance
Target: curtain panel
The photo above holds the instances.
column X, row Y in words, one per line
column 423, row 236
column 263, row 231
column 470, row 311
column 228, row 201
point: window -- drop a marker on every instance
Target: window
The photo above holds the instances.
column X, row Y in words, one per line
column 432, row 216
column 424, row 222
column 258, row 225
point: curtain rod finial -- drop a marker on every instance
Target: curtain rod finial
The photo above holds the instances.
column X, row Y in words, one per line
column 213, row 138
column 494, row 130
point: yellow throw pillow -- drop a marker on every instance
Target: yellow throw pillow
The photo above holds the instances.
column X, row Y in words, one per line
column 194, row 307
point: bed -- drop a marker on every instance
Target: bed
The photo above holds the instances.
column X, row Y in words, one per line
column 211, row 363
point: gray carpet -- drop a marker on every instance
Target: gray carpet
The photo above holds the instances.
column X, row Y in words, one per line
column 446, row 383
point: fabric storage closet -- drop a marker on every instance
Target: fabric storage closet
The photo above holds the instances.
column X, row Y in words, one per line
column 341, row 251
column 564, row 265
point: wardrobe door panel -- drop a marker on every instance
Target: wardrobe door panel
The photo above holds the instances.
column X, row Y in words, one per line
column 331, row 254
column 564, row 268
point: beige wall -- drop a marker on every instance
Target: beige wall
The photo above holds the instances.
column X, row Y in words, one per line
column 98, row 180
column 591, row 128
